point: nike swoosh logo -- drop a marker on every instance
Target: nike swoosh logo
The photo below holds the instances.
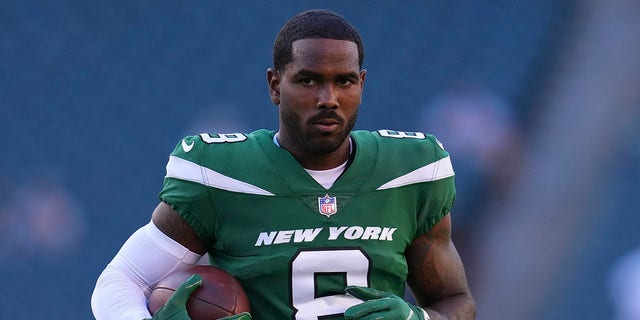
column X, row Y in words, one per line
column 187, row 147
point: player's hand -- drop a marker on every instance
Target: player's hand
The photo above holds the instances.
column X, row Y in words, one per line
column 176, row 306
column 239, row 316
column 381, row 305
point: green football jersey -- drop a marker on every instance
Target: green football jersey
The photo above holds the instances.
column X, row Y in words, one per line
column 295, row 245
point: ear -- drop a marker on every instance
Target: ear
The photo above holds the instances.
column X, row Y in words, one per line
column 273, row 81
column 363, row 75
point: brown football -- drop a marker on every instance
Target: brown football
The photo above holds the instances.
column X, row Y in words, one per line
column 220, row 294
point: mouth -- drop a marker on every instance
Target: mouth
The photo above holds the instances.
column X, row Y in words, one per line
column 326, row 124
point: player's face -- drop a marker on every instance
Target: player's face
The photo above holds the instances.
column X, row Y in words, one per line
column 318, row 94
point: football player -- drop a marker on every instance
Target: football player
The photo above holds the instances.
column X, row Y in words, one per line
column 316, row 220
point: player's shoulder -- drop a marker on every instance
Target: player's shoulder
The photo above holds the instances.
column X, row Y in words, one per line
column 402, row 143
column 208, row 145
column 392, row 158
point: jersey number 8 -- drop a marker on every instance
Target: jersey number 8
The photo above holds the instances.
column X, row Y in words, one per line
column 352, row 264
column 401, row 134
column 222, row 137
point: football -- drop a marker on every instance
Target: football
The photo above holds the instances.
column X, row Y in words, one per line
column 220, row 294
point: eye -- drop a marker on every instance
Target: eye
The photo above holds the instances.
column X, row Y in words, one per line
column 308, row 81
column 345, row 81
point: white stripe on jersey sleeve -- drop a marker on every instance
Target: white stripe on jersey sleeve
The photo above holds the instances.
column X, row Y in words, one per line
column 186, row 170
column 434, row 171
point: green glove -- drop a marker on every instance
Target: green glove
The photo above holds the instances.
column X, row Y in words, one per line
column 239, row 316
column 381, row 305
column 176, row 306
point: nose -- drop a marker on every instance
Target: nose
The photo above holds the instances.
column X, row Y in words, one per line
column 327, row 97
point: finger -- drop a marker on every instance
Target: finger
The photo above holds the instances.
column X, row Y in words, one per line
column 239, row 316
column 245, row 316
column 186, row 289
column 379, row 307
column 366, row 294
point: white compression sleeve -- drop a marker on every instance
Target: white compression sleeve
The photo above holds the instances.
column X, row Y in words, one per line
column 145, row 258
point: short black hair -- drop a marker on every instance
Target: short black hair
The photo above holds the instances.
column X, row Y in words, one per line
column 313, row 24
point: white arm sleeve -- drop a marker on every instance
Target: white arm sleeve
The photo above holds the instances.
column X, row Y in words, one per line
column 122, row 289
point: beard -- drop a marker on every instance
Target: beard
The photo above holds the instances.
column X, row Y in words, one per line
column 318, row 143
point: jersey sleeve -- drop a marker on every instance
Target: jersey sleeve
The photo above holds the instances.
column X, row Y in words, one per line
column 440, row 193
column 184, row 187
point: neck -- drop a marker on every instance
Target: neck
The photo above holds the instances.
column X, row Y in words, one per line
column 318, row 161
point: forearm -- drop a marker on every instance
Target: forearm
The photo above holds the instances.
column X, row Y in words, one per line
column 437, row 277
column 458, row 307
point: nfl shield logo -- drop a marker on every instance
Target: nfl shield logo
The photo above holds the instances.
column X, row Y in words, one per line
column 327, row 205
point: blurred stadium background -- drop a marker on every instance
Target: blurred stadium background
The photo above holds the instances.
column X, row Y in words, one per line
column 538, row 102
